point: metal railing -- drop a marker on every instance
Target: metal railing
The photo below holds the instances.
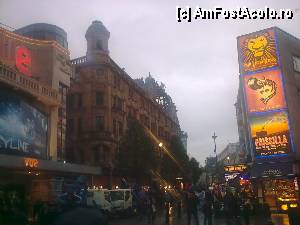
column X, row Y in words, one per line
column 79, row 60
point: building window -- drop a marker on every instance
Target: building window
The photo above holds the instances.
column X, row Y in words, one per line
column 115, row 127
column 70, row 125
column 79, row 124
column 117, row 103
column 96, row 154
column 120, row 125
column 296, row 61
column 99, row 123
column 79, row 100
column 99, row 72
column 117, row 82
column 99, row 45
column 99, row 98
column 71, row 100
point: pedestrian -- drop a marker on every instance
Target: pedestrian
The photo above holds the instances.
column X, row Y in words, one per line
column 151, row 208
column 228, row 203
column 207, row 211
column 236, row 208
column 246, row 211
column 191, row 203
column 168, row 200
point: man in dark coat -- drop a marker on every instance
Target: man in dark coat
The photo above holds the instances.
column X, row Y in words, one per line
column 191, row 203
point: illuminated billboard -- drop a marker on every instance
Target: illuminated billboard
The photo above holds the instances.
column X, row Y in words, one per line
column 257, row 51
column 264, row 91
column 23, row 60
column 270, row 134
column 23, row 128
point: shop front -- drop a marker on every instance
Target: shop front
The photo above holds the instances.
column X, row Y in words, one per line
column 277, row 185
column 27, row 182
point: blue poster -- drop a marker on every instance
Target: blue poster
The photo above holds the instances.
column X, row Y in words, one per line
column 23, row 128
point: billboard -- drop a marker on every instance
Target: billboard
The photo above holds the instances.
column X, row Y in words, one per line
column 270, row 134
column 257, row 51
column 23, row 128
column 264, row 91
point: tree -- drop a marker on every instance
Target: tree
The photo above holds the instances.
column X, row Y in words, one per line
column 136, row 155
column 175, row 164
column 196, row 170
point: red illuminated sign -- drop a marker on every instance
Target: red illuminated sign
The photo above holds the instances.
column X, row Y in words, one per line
column 23, row 60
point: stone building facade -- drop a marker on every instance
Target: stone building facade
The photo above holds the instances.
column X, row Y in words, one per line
column 102, row 96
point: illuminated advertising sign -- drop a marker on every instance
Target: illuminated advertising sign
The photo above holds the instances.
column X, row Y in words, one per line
column 23, row 60
column 235, row 168
column 270, row 134
column 23, row 128
column 257, row 51
column 264, row 91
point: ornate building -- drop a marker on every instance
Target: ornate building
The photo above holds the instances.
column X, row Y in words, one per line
column 101, row 97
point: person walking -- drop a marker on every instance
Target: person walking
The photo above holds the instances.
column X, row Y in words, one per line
column 246, row 212
column 191, row 203
column 228, row 203
column 207, row 211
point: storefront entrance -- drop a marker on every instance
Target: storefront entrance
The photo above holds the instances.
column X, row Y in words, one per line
column 279, row 193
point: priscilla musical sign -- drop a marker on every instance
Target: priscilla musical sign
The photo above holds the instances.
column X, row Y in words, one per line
column 270, row 134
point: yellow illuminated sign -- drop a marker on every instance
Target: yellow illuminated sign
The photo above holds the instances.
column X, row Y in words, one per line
column 31, row 163
column 270, row 134
column 235, row 168
column 257, row 51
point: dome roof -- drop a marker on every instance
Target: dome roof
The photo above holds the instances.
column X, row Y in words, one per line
column 97, row 28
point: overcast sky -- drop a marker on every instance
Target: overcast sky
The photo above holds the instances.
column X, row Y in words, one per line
column 196, row 61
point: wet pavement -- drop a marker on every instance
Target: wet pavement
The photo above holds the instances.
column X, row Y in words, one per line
column 277, row 219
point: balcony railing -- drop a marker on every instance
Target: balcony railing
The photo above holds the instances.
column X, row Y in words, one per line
column 13, row 78
column 79, row 60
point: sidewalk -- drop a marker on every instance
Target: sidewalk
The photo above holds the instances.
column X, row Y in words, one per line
column 278, row 219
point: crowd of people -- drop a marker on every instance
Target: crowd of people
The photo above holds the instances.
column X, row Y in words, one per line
column 234, row 207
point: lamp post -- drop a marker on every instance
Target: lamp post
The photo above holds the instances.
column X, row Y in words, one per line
column 214, row 137
column 160, row 145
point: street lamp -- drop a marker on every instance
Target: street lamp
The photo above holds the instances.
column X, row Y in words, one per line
column 160, row 145
column 214, row 137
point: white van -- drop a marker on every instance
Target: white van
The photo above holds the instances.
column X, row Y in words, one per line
column 121, row 200
column 100, row 198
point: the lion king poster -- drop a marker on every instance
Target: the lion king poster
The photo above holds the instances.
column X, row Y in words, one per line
column 270, row 134
column 257, row 51
column 264, row 91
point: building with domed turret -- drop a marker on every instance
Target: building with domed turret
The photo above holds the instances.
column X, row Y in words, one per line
column 101, row 98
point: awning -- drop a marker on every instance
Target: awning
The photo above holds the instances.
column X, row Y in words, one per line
column 17, row 162
column 278, row 169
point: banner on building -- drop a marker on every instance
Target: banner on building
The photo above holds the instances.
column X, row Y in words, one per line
column 257, row 51
column 23, row 128
column 264, row 91
column 270, row 134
